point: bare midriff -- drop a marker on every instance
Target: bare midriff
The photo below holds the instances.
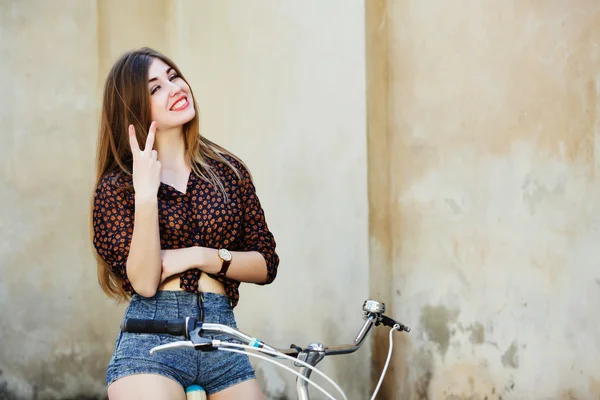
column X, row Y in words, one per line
column 206, row 284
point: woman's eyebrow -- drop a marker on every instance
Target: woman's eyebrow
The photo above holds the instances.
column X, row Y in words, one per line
column 166, row 73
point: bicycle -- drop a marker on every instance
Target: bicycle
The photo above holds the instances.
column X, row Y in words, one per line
column 304, row 358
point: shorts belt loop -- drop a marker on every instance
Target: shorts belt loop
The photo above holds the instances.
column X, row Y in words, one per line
column 201, row 306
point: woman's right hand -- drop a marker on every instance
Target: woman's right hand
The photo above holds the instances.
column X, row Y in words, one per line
column 146, row 167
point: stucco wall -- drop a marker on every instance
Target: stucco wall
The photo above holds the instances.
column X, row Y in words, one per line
column 283, row 85
column 280, row 84
column 482, row 169
column 54, row 337
column 493, row 196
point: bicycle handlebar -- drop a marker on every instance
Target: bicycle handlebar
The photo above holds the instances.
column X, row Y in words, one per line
column 191, row 328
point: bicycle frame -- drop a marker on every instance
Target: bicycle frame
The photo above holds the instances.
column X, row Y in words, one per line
column 315, row 352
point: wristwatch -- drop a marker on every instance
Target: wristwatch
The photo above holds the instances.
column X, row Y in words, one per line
column 224, row 255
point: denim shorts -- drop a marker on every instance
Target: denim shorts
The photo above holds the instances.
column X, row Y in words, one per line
column 213, row 370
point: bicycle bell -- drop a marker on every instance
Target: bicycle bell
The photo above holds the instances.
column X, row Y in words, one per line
column 373, row 306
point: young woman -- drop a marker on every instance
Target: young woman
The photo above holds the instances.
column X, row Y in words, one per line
column 177, row 226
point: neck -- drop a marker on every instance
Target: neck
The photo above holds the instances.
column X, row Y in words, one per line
column 170, row 146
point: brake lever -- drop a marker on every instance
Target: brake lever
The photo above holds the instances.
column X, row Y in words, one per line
column 387, row 321
column 202, row 344
column 182, row 344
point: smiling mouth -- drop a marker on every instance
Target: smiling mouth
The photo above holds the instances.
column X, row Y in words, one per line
column 180, row 105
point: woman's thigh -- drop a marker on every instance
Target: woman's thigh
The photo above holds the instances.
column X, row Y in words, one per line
column 247, row 390
column 132, row 350
column 146, row 387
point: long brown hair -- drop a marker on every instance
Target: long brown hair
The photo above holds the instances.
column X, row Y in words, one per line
column 126, row 101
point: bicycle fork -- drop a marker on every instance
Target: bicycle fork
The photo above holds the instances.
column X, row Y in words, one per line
column 312, row 355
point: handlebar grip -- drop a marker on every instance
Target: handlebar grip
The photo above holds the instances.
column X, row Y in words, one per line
column 176, row 327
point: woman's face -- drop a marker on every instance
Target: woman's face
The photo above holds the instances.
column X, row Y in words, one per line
column 171, row 102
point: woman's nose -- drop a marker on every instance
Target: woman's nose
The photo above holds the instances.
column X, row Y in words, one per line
column 175, row 89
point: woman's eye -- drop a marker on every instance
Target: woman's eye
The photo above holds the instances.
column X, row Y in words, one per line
column 174, row 76
column 154, row 89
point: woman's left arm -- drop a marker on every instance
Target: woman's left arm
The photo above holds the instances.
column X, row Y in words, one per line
column 245, row 266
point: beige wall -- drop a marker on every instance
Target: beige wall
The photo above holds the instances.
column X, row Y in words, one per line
column 282, row 84
column 489, row 227
column 279, row 83
column 53, row 336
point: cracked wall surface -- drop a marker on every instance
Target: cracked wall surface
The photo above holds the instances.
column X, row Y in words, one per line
column 491, row 125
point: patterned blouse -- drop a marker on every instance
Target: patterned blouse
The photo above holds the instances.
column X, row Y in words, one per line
column 199, row 217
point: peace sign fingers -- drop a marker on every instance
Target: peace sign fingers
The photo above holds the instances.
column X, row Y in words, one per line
column 150, row 138
column 146, row 167
column 133, row 143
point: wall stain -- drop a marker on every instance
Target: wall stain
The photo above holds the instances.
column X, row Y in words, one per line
column 535, row 192
column 6, row 394
column 435, row 321
column 477, row 333
column 569, row 395
column 456, row 209
column 509, row 387
column 423, row 363
column 594, row 388
column 46, row 383
column 511, row 358
column 422, row 386
column 278, row 396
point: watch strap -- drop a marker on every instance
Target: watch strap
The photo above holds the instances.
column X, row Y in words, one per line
column 225, row 256
column 224, row 268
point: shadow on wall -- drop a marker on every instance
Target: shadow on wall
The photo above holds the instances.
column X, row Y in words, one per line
column 7, row 394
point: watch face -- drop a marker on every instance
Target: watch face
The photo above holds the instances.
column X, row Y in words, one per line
column 225, row 254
